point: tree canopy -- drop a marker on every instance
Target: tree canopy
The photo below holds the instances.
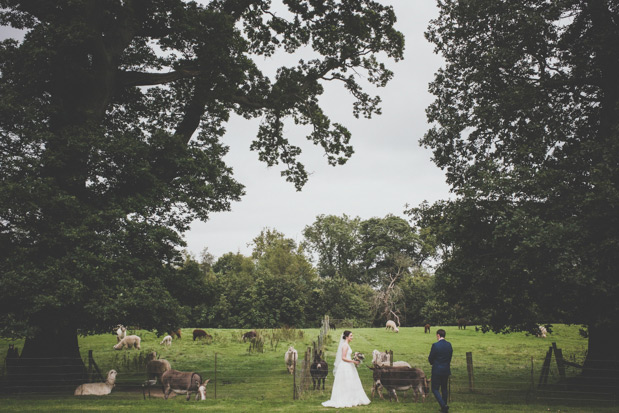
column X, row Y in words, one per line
column 388, row 246
column 334, row 241
column 111, row 128
column 526, row 123
column 364, row 251
column 272, row 288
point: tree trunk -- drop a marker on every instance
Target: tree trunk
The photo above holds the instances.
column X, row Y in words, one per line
column 50, row 361
column 602, row 363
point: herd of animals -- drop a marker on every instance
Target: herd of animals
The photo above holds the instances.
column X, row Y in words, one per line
column 179, row 382
column 386, row 375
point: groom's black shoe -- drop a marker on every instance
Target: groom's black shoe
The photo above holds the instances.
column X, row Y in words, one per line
column 445, row 409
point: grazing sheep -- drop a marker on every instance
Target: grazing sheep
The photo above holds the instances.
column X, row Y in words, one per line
column 97, row 389
column 167, row 341
column 181, row 382
column 462, row 322
column 121, row 333
column 319, row 370
column 129, row 342
column 391, row 326
column 290, row 358
column 200, row 334
column 542, row 332
column 249, row 335
column 426, row 329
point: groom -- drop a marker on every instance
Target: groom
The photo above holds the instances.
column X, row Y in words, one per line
column 440, row 359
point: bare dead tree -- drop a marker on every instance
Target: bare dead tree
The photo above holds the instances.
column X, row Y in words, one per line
column 387, row 300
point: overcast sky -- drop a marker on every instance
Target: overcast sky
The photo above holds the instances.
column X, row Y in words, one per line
column 388, row 170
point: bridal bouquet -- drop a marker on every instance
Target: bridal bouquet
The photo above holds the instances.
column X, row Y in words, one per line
column 358, row 357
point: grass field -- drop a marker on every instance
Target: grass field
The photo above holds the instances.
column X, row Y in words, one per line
column 506, row 373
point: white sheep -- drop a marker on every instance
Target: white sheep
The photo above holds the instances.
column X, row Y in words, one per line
column 121, row 333
column 129, row 342
column 382, row 359
column 391, row 326
column 401, row 364
column 290, row 358
column 167, row 340
column 542, row 332
column 97, row 389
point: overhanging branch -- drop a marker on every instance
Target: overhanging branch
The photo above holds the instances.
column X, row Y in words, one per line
column 128, row 79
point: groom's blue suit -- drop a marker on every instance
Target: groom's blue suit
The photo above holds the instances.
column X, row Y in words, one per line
column 440, row 359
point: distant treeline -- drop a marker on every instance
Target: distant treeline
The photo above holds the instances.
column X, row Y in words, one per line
column 362, row 271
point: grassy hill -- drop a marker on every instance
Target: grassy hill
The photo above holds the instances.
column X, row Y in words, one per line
column 506, row 372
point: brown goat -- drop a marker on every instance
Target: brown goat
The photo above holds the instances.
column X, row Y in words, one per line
column 200, row 334
column 249, row 335
column 175, row 333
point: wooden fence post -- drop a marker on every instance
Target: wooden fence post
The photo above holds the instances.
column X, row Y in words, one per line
column 89, row 366
column 294, row 379
column 469, row 369
column 531, row 392
column 543, row 379
column 305, row 371
column 391, row 358
column 215, row 381
column 559, row 358
column 532, row 375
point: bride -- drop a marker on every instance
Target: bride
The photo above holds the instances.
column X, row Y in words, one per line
column 347, row 388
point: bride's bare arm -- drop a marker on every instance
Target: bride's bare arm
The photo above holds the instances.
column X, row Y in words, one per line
column 344, row 351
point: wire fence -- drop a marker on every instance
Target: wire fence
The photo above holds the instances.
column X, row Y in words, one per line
column 509, row 379
column 228, row 380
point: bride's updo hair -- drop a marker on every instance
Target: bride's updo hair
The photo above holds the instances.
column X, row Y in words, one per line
column 346, row 334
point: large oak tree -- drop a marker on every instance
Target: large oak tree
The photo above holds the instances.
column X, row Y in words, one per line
column 363, row 251
column 111, row 124
column 334, row 243
column 526, row 126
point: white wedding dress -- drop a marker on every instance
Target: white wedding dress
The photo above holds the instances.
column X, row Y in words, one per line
column 347, row 388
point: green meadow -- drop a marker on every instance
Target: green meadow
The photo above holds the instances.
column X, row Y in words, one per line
column 506, row 372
